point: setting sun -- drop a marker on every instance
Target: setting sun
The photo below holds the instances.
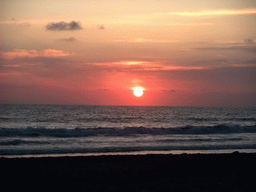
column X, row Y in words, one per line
column 138, row 92
column 143, row 52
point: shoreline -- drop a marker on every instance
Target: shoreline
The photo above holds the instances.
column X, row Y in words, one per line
column 152, row 172
column 164, row 152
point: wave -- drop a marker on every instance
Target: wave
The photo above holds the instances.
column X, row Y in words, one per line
column 16, row 142
column 223, row 119
column 85, row 132
column 122, row 149
column 200, row 140
column 19, row 142
column 123, row 119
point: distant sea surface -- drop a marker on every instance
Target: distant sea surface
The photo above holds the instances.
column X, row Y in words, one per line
column 69, row 130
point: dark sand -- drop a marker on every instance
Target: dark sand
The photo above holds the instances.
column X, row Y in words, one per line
column 193, row 172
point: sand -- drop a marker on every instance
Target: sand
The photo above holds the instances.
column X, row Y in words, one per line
column 185, row 172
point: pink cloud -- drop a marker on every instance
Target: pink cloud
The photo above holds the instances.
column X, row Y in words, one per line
column 23, row 53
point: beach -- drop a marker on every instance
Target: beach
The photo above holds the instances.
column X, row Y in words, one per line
column 154, row 172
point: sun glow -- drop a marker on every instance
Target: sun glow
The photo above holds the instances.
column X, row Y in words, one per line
column 138, row 91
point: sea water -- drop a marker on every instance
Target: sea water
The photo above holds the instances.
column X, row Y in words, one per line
column 70, row 130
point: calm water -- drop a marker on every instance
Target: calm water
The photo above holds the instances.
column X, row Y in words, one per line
column 49, row 129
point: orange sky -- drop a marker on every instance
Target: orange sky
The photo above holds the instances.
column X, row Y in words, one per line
column 94, row 52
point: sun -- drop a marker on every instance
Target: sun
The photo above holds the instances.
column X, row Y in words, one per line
column 138, row 92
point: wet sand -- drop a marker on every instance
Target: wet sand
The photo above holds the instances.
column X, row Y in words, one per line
column 185, row 172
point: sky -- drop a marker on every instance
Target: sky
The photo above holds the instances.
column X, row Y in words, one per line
column 95, row 52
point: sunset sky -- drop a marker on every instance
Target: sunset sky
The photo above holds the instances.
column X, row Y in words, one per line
column 95, row 52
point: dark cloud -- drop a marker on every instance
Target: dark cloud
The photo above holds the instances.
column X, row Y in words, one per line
column 212, row 62
column 253, row 61
column 249, row 41
column 71, row 39
column 242, row 48
column 234, row 99
column 247, row 45
column 101, row 27
column 63, row 26
column 169, row 91
column 20, row 23
column 103, row 90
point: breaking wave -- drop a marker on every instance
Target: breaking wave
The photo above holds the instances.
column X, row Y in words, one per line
column 20, row 142
column 85, row 132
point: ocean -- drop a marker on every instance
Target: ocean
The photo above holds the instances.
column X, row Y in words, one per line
column 55, row 130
